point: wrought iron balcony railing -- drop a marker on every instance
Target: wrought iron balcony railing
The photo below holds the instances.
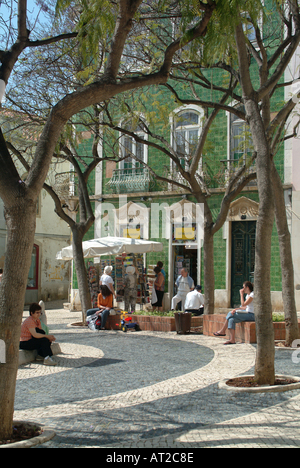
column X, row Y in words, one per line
column 131, row 180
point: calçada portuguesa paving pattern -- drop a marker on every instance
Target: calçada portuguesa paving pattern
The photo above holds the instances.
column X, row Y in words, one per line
column 152, row 390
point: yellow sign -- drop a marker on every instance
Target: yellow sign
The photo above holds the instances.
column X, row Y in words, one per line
column 132, row 233
column 185, row 233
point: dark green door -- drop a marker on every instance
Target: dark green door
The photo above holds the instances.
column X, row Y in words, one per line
column 243, row 257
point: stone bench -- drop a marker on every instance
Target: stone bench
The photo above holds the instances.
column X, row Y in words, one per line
column 245, row 332
column 25, row 357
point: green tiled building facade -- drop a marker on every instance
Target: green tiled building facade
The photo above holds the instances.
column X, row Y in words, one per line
column 227, row 147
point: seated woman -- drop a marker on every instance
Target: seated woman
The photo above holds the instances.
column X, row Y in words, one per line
column 237, row 315
column 33, row 336
column 105, row 304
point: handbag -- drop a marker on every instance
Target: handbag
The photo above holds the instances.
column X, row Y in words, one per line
column 154, row 295
column 91, row 321
column 98, row 323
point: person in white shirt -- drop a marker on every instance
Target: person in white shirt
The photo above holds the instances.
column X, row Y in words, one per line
column 106, row 280
column 195, row 301
column 245, row 313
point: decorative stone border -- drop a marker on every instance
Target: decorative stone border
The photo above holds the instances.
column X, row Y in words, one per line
column 287, row 348
column 47, row 435
column 264, row 388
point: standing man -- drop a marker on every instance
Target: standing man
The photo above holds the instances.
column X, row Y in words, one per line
column 185, row 284
column 130, row 289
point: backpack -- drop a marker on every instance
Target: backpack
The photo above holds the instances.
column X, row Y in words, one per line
column 131, row 282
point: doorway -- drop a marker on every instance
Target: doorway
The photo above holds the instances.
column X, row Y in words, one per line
column 185, row 257
column 243, row 257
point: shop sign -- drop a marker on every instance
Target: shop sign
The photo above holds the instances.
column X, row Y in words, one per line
column 185, row 233
column 132, row 233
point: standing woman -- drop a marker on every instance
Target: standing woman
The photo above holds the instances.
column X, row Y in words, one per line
column 245, row 313
column 159, row 285
column 107, row 280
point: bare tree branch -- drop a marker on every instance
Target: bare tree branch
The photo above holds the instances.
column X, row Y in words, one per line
column 51, row 40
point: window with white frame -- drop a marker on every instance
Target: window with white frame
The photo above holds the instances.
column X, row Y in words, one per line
column 135, row 153
column 241, row 145
column 186, row 133
column 249, row 27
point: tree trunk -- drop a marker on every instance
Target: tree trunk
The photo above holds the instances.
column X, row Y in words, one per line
column 264, row 366
column 265, row 356
column 209, row 274
column 83, row 287
column 287, row 268
column 208, row 251
column 20, row 219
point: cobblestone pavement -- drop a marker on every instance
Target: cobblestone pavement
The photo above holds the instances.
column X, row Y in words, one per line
column 152, row 390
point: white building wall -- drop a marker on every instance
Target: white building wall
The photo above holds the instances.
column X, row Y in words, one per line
column 292, row 168
column 52, row 234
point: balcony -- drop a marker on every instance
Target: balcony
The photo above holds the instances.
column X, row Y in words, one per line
column 177, row 177
column 131, row 180
column 231, row 166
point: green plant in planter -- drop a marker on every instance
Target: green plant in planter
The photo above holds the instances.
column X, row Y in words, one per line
column 155, row 313
column 277, row 317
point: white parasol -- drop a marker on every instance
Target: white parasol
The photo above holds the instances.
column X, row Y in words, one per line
column 111, row 246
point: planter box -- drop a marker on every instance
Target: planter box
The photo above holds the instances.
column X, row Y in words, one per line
column 113, row 322
column 151, row 322
column 164, row 324
column 245, row 332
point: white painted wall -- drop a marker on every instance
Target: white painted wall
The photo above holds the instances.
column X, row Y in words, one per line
column 52, row 234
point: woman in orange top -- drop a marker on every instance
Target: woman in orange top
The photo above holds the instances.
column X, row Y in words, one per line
column 105, row 303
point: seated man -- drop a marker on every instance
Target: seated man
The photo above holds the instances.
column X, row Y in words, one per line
column 185, row 284
column 195, row 301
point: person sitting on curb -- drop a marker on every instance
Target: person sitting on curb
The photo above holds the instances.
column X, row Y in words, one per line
column 33, row 336
column 105, row 304
column 245, row 313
